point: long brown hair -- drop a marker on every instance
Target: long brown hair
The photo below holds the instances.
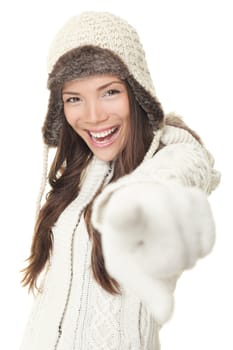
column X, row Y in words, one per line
column 71, row 158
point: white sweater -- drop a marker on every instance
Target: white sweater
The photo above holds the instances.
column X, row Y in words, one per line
column 72, row 312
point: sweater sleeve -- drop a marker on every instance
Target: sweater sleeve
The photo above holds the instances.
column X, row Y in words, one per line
column 182, row 160
column 156, row 222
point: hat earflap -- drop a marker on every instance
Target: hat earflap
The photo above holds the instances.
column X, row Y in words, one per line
column 51, row 129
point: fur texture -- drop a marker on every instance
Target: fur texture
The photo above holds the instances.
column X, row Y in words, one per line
column 83, row 62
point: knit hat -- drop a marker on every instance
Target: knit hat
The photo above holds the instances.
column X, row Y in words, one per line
column 97, row 43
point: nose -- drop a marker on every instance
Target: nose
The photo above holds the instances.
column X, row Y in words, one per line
column 95, row 113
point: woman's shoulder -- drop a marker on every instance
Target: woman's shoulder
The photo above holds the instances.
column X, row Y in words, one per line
column 178, row 130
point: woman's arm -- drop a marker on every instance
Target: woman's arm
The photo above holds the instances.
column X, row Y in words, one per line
column 182, row 160
column 157, row 222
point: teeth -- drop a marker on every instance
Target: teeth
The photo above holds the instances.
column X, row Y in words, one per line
column 102, row 134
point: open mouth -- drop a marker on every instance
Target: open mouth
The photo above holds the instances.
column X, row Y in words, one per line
column 104, row 136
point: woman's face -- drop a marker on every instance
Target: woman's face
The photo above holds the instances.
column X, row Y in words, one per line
column 97, row 108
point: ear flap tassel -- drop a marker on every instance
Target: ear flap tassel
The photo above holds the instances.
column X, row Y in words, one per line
column 43, row 179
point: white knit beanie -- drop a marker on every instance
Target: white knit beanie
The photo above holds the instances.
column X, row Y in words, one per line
column 107, row 31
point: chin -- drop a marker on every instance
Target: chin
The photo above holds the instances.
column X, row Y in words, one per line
column 104, row 158
column 105, row 155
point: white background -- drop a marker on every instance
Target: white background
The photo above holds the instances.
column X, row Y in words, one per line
column 189, row 50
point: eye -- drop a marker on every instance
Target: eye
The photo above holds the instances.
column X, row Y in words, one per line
column 111, row 92
column 72, row 99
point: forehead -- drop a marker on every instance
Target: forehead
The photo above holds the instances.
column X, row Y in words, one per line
column 94, row 81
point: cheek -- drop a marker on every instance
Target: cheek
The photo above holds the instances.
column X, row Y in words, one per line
column 122, row 109
column 125, row 114
column 70, row 116
column 73, row 120
column 125, row 109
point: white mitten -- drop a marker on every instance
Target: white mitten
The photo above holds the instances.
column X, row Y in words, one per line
column 150, row 234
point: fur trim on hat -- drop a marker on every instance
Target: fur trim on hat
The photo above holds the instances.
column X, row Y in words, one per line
column 86, row 61
column 106, row 31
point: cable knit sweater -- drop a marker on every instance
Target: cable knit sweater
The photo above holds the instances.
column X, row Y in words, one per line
column 72, row 311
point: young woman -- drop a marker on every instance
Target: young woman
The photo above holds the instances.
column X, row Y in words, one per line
column 127, row 211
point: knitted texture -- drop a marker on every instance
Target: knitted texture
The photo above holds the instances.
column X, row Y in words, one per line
column 86, row 61
column 95, row 43
column 107, row 31
column 91, row 318
column 158, row 211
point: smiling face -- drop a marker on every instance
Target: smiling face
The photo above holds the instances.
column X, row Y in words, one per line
column 97, row 108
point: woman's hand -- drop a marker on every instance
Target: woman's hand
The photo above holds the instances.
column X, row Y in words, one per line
column 151, row 233
column 165, row 228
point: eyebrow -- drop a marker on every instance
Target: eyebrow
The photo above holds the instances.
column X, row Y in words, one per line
column 98, row 89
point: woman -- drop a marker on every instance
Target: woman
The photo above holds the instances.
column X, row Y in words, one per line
column 127, row 211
